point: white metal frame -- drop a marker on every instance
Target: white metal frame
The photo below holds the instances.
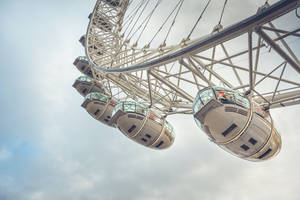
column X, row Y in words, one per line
column 168, row 78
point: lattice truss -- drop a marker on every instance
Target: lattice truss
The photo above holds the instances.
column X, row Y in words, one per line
column 259, row 56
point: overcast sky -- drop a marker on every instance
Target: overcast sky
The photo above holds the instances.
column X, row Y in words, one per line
column 50, row 148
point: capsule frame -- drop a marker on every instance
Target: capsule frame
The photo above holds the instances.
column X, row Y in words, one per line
column 143, row 125
column 236, row 124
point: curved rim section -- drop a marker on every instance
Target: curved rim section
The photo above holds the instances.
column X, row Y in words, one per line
column 274, row 11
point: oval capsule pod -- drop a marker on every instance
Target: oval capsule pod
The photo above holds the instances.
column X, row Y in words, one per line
column 100, row 106
column 143, row 125
column 82, row 64
column 95, row 48
column 85, row 85
column 236, row 124
column 82, row 40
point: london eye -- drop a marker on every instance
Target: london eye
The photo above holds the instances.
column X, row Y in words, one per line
column 137, row 72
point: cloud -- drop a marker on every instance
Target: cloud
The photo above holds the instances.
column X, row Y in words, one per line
column 5, row 154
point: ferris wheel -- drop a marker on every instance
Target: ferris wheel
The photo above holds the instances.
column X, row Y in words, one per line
column 228, row 79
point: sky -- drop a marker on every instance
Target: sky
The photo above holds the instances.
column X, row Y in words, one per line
column 50, row 148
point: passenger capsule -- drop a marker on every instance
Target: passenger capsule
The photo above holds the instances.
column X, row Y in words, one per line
column 83, row 66
column 236, row 124
column 100, row 106
column 143, row 125
column 98, row 48
column 85, row 85
column 82, row 40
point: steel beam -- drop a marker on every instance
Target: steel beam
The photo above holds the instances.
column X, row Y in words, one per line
column 294, row 33
column 172, row 86
column 285, row 45
column 274, row 11
column 280, row 97
column 277, row 48
column 250, row 61
column 149, row 88
column 212, row 72
column 255, row 72
column 196, row 71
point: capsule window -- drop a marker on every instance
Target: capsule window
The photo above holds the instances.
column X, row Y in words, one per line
column 144, row 140
column 83, row 68
column 242, row 112
column 148, row 136
column 139, row 117
column 231, row 128
column 159, row 144
column 230, row 109
column 207, row 95
column 131, row 128
column 245, row 147
column 226, row 97
column 131, row 116
column 265, row 154
column 96, row 112
column 252, row 141
column 241, row 100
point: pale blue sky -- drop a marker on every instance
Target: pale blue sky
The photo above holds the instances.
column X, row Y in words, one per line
column 50, row 148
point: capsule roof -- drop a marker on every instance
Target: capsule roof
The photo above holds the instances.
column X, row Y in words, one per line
column 101, row 97
column 97, row 96
column 85, row 79
column 226, row 96
column 223, row 94
column 130, row 106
